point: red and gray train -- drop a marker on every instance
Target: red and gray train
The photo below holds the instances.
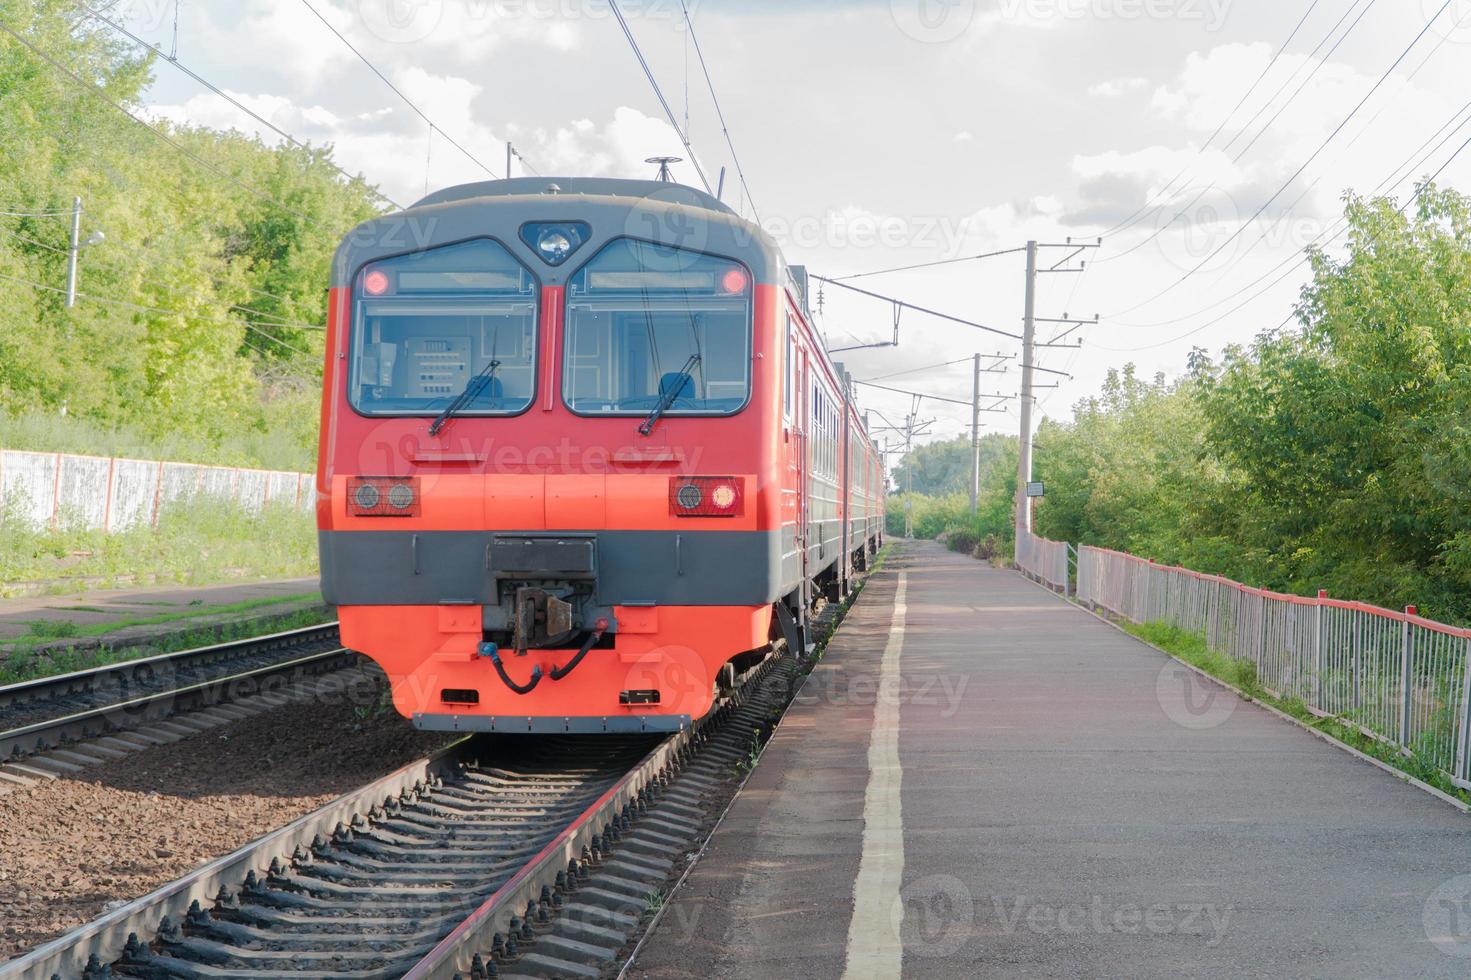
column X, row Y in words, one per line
column 584, row 456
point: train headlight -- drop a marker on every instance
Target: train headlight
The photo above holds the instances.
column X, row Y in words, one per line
column 400, row 496
column 383, row 496
column 706, row 496
column 555, row 241
column 367, row 496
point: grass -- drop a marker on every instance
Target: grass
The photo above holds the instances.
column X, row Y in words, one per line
column 1241, row 674
column 199, row 541
column 48, row 432
column 28, row 662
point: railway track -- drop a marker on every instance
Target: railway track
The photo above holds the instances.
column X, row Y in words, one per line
column 57, row 725
column 498, row 856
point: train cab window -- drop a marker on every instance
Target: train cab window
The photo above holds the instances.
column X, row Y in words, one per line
column 431, row 325
column 648, row 324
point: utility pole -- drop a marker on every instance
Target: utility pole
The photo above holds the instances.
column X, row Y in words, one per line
column 1024, row 448
column 908, row 476
column 1029, row 357
column 509, row 153
column 71, row 255
column 975, row 437
column 975, row 422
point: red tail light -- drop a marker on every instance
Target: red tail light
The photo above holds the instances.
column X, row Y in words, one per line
column 706, row 496
column 383, row 496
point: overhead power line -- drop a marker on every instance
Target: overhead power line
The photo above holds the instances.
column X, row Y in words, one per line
column 1146, row 206
column 157, row 134
column 17, row 213
column 900, row 304
column 1318, row 66
column 228, row 98
column 927, row 265
column 921, row 394
column 1298, row 172
column 1295, row 265
column 143, row 308
column 1445, row 133
column 719, row 113
column 433, row 126
column 668, row 112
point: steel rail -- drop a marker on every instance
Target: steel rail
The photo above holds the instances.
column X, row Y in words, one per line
column 432, row 794
column 105, row 938
column 98, row 700
column 121, row 715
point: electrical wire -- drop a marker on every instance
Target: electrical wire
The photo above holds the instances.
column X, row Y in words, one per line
column 1297, row 173
column 719, row 113
column 902, row 304
column 1140, row 213
column 395, row 89
column 1393, row 179
column 668, row 112
column 1212, row 185
column 232, row 100
column 181, row 148
column 143, row 308
column 927, row 265
column 1189, row 333
column 65, row 212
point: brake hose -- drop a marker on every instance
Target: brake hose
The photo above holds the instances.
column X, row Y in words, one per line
column 560, row 672
column 490, row 650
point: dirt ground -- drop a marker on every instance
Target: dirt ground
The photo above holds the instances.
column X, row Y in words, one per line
column 69, row 847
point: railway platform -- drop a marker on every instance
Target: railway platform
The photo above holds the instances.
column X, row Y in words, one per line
column 980, row 779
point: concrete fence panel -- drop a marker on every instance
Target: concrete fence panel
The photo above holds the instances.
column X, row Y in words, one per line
column 98, row 492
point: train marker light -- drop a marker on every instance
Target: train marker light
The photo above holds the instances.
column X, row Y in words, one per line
column 375, row 283
column 705, row 496
column 734, row 281
column 383, row 496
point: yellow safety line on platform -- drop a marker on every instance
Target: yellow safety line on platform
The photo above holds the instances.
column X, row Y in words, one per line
column 875, row 950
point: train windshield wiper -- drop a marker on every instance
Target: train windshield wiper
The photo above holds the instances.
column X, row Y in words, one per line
column 472, row 391
column 670, row 394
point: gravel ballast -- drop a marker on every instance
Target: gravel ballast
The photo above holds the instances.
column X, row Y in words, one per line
column 73, row 846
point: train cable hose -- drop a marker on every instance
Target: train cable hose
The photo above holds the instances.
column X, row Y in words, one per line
column 490, row 650
column 560, row 672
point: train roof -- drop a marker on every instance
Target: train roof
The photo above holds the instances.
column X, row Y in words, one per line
column 593, row 186
column 651, row 210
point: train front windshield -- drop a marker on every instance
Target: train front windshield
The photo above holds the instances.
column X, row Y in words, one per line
column 649, row 325
column 428, row 324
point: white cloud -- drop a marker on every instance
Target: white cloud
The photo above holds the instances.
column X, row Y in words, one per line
column 1115, row 87
column 964, row 136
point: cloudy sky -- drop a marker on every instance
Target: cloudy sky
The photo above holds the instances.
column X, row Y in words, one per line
column 879, row 133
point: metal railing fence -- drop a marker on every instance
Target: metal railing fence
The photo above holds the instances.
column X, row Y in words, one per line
column 1043, row 561
column 1398, row 676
